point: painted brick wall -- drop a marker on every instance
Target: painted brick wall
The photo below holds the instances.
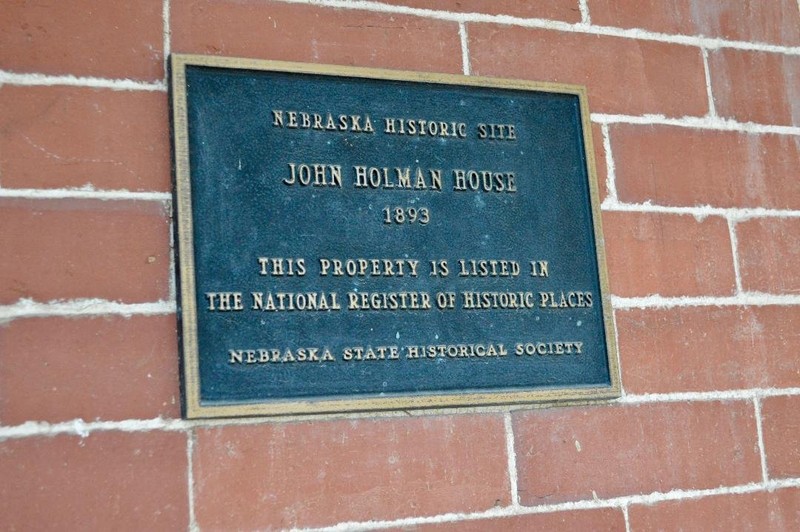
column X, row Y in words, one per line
column 696, row 119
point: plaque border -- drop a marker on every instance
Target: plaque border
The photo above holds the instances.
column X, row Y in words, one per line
column 184, row 244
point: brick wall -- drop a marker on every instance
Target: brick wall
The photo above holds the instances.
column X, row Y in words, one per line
column 696, row 119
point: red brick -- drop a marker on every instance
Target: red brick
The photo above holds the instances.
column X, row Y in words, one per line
column 114, row 368
column 775, row 21
column 769, row 252
column 708, row 348
column 105, row 481
column 754, row 86
column 668, row 254
column 600, row 161
column 55, row 137
column 275, row 30
column 577, row 453
column 596, row 520
column 623, row 75
column 779, row 510
column 84, row 38
column 781, row 426
column 64, row 249
column 684, row 166
column 566, row 10
column 311, row 474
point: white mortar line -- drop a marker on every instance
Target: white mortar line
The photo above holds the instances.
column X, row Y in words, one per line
column 721, row 395
column 83, row 193
column 611, row 171
column 462, row 33
column 745, row 299
column 695, row 122
column 700, row 211
column 783, row 483
column 383, row 415
column 27, row 308
column 512, row 459
column 166, row 36
column 735, row 254
column 580, row 27
column 190, row 479
column 79, row 427
column 13, row 78
column 626, row 516
column 586, row 18
column 591, row 504
column 712, row 109
column 83, row 428
column 680, row 494
column 760, row 432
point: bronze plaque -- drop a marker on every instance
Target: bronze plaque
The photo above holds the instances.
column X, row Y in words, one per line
column 355, row 239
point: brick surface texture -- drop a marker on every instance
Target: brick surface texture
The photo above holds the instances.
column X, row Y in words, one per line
column 104, row 481
column 696, row 130
column 89, row 368
column 779, row 510
column 776, row 21
column 658, row 240
column 782, row 436
column 572, row 454
column 84, row 38
column 425, row 466
column 72, row 137
column 566, row 10
column 84, row 249
column 684, row 350
column 686, row 167
column 603, row 520
column 769, row 249
column 756, row 86
column 622, row 75
column 307, row 33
